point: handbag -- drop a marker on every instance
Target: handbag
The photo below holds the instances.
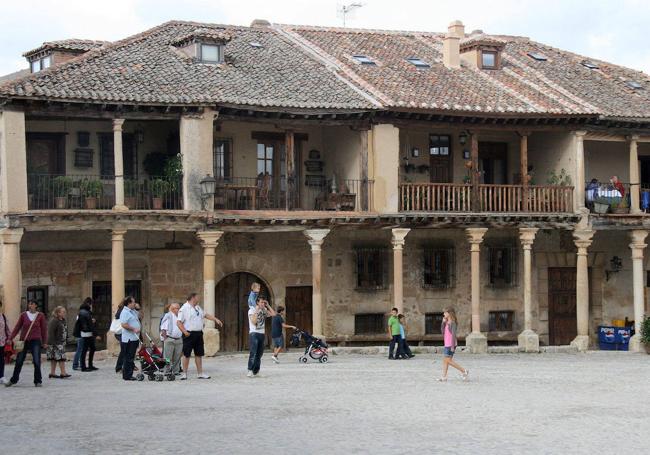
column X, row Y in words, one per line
column 116, row 326
column 19, row 345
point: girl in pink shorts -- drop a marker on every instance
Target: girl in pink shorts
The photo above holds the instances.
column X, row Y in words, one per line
column 448, row 329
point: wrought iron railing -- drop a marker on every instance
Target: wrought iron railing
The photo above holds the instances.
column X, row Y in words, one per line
column 153, row 193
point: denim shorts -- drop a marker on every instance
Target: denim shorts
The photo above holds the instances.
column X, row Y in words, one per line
column 448, row 352
column 278, row 342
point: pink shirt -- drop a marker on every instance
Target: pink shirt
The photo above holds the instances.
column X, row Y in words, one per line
column 448, row 337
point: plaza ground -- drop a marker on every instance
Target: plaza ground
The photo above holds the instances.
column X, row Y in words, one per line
column 515, row 403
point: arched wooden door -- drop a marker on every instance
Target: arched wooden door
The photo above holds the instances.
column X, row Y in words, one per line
column 231, row 301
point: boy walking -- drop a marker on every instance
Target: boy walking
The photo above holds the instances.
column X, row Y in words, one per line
column 404, row 349
column 277, row 324
column 394, row 333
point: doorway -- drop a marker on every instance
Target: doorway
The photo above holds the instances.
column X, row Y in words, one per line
column 102, row 310
column 562, row 319
column 439, row 158
column 493, row 162
column 298, row 305
column 231, row 306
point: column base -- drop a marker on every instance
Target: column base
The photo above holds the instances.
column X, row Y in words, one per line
column 528, row 341
column 636, row 345
column 112, row 345
column 581, row 342
column 211, row 341
column 476, row 342
column 120, row 208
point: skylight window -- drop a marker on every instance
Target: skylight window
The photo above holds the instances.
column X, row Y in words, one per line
column 256, row 45
column 537, row 56
column 634, row 84
column 419, row 63
column 590, row 65
column 364, row 60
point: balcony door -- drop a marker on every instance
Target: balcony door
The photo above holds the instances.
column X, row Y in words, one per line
column 440, row 158
column 493, row 162
column 45, row 153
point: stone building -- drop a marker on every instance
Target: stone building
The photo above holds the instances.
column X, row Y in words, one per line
column 348, row 171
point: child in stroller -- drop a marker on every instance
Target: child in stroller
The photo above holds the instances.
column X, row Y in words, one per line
column 152, row 363
column 314, row 347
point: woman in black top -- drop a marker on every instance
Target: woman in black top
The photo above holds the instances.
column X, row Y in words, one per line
column 87, row 331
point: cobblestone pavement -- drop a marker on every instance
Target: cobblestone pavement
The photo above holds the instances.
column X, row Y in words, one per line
column 552, row 403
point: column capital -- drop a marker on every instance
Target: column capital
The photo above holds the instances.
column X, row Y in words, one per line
column 583, row 238
column 527, row 236
column 475, row 235
column 399, row 235
column 117, row 124
column 11, row 235
column 632, row 137
column 637, row 239
column 316, row 237
column 580, row 134
column 209, row 239
column 118, row 234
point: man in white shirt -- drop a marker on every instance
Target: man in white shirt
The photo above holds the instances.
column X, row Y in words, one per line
column 172, row 337
column 190, row 323
column 256, row 334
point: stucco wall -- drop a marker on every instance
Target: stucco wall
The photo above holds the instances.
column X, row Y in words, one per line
column 13, row 173
column 604, row 159
column 551, row 152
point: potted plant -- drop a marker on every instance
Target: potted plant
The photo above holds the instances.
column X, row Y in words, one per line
column 645, row 334
column 619, row 205
column 159, row 188
column 601, row 205
column 61, row 187
column 91, row 190
column 130, row 193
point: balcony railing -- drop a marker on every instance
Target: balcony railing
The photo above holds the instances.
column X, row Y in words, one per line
column 249, row 193
column 452, row 197
column 93, row 192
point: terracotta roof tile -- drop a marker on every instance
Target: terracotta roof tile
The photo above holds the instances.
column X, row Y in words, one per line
column 73, row 44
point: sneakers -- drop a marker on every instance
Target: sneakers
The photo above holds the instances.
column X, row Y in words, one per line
column 250, row 374
column 275, row 359
column 38, row 384
column 203, row 376
column 465, row 375
column 183, row 377
column 9, row 383
column 442, row 379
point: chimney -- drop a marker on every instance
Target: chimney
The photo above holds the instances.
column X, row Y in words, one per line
column 260, row 23
column 451, row 44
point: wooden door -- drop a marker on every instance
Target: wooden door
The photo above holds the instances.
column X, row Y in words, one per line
column 493, row 162
column 231, row 302
column 298, row 305
column 102, row 310
column 440, row 158
column 45, row 153
column 562, row 322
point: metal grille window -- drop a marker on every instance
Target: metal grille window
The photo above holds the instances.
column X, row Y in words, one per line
column 439, row 145
column 223, row 159
column 438, row 267
column 369, row 324
column 432, row 322
column 39, row 295
column 502, row 266
column 372, row 269
column 501, row 321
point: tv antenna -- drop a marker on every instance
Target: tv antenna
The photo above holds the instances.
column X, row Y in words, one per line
column 347, row 8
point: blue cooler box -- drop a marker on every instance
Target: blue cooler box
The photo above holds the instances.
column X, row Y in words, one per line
column 623, row 338
column 607, row 337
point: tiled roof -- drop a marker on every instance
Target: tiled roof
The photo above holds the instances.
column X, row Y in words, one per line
column 148, row 69
column 73, row 44
column 312, row 68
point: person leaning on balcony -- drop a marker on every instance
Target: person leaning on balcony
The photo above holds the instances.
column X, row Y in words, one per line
column 33, row 331
column 618, row 185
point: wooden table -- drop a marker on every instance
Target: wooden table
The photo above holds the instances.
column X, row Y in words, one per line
column 250, row 190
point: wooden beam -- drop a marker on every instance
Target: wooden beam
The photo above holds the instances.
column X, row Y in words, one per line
column 475, row 176
column 523, row 168
column 290, row 150
column 363, row 164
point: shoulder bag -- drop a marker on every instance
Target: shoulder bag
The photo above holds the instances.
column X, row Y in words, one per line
column 19, row 345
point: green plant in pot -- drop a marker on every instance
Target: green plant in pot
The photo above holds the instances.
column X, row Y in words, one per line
column 131, row 193
column 159, row 189
column 619, row 205
column 61, row 187
column 645, row 334
column 91, row 190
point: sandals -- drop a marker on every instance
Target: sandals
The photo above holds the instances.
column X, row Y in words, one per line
column 442, row 379
column 465, row 375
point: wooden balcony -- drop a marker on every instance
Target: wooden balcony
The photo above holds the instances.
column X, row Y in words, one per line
column 455, row 197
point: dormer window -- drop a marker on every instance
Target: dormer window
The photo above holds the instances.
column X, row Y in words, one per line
column 211, row 53
column 39, row 64
column 489, row 60
column 482, row 51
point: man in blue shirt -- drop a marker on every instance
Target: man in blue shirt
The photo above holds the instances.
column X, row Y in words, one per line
column 130, row 340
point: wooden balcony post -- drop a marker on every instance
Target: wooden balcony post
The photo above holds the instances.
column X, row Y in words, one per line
column 635, row 190
column 476, row 176
column 289, row 143
column 119, row 164
column 363, row 169
column 523, row 159
column 580, row 170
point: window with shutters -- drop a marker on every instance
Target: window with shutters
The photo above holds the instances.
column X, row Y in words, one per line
column 501, row 321
column 369, row 324
column 372, row 269
column 502, row 266
column 438, row 268
column 432, row 323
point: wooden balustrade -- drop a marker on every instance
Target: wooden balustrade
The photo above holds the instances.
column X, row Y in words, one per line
column 453, row 197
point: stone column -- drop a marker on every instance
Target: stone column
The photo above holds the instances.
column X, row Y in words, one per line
column 196, row 142
column 476, row 341
column 315, row 237
column 119, row 164
column 209, row 241
column 11, row 273
column 13, row 161
column 386, row 162
column 528, row 340
column 580, row 170
column 637, row 245
column 582, row 239
column 635, row 182
column 398, row 267
column 117, row 282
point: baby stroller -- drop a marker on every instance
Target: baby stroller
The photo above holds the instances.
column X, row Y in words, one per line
column 152, row 363
column 314, row 347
